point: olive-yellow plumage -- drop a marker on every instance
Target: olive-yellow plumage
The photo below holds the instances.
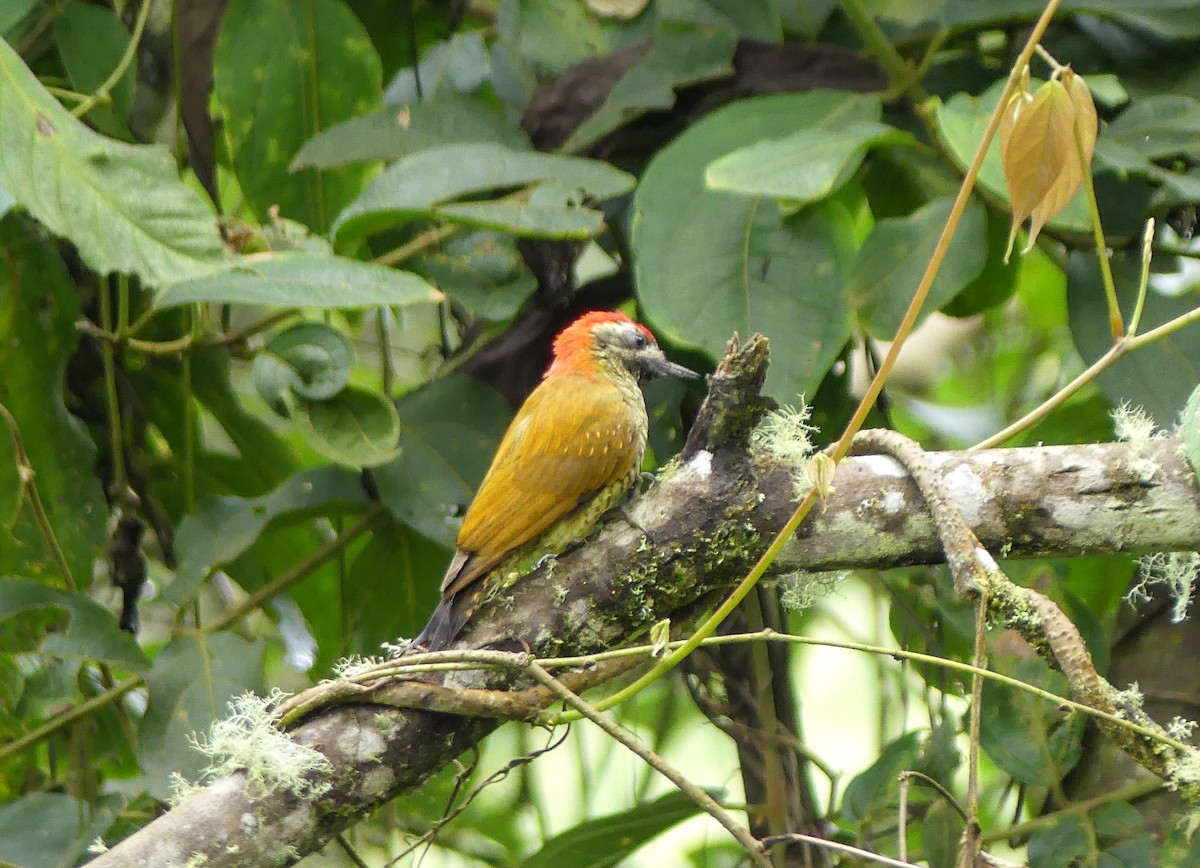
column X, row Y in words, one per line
column 572, row 451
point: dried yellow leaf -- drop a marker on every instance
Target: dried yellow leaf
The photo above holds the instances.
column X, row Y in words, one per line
column 1081, row 113
column 1036, row 153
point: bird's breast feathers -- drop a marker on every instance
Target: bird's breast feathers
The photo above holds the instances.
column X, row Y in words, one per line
column 574, row 437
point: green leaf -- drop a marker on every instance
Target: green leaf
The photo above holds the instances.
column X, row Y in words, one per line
column 941, row 830
column 680, row 55
column 282, row 72
column 397, row 131
column 415, row 186
column 1167, row 19
column 603, row 842
column 190, row 685
column 1064, row 842
column 554, row 219
column 1159, row 377
column 266, row 458
column 1189, row 427
column 52, row 830
column 997, row 280
column 742, row 265
column 122, row 205
column 92, row 632
column 13, row 11
column 1027, row 737
column 803, row 167
column 461, row 64
column 449, row 432
column 873, row 786
column 402, row 567
column 297, row 279
column 310, row 359
column 1157, row 126
column 482, row 270
column 91, row 41
column 12, row 483
column 356, row 427
column 38, row 312
column 890, row 264
column 225, row 527
column 550, row 35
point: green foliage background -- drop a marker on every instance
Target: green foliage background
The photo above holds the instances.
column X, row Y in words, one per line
column 290, row 363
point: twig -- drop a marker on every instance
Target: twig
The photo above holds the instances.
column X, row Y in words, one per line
column 349, row 850
column 971, row 845
column 185, row 344
column 838, row 847
column 618, row 733
column 28, row 478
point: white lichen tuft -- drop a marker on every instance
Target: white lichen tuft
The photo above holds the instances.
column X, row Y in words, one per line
column 1174, row 571
column 97, row 846
column 1134, row 426
column 248, row 740
column 1183, row 772
column 1180, row 728
column 801, row 589
column 787, row 433
column 1129, row 699
column 353, row 665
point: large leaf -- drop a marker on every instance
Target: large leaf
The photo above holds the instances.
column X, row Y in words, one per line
column 123, row 206
column 1157, row 126
column 296, row 279
column 461, row 65
column 449, row 431
column 1170, row 19
column 52, row 830
column 871, row 788
column 606, row 841
column 38, row 312
column 224, row 527
column 356, row 427
column 741, row 265
column 91, row 40
column 1024, row 735
column 415, row 186
column 284, row 71
column 482, row 270
column 91, row 634
column 190, row 685
column 393, row 132
column 551, row 34
column 311, row 359
column 402, row 567
column 681, row 55
column 803, row 167
column 893, row 258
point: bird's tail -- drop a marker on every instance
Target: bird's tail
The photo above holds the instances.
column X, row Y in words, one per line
column 446, row 621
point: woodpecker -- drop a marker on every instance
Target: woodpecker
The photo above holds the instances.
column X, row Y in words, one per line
column 572, row 451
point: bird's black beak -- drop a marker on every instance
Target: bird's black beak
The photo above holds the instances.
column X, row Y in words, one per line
column 660, row 367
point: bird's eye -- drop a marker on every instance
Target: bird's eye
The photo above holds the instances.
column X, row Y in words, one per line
column 639, row 341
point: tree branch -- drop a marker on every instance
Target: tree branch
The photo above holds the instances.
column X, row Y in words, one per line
column 698, row 530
